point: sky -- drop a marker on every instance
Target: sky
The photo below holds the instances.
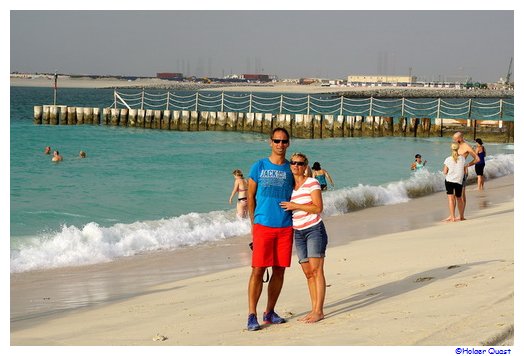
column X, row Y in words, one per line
column 430, row 44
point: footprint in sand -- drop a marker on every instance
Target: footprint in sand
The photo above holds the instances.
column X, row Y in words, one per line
column 423, row 279
column 159, row 337
column 461, row 285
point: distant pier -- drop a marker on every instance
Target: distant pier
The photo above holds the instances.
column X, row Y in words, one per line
column 304, row 116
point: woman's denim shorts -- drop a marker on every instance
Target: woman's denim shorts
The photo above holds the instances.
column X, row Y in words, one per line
column 311, row 242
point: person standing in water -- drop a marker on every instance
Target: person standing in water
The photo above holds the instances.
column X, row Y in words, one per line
column 418, row 164
column 464, row 150
column 240, row 187
column 310, row 234
column 479, row 167
column 321, row 175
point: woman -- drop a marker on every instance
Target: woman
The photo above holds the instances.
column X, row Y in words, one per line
column 310, row 233
column 321, row 175
column 418, row 164
column 240, row 187
column 454, row 170
column 479, row 167
column 56, row 157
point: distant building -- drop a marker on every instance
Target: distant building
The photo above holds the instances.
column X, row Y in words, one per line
column 390, row 79
column 256, row 77
column 170, row 76
column 307, row 81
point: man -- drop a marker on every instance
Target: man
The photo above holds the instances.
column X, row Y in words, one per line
column 270, row 183
column 464, row 150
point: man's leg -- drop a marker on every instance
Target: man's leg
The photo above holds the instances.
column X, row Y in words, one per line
column 274, row 287
column 255, row 288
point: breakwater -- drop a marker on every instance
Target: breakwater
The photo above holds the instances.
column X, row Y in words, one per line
column 305, row 116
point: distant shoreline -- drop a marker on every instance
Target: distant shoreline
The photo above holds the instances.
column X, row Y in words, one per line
column 89, row 83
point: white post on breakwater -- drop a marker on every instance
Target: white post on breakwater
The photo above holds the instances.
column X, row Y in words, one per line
column 321, row 125
column 55, row 88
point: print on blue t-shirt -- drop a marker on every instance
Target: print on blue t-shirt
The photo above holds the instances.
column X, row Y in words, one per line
column 274, row 185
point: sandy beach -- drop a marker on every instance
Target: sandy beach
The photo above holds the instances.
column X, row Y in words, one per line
column 396, row 275
column 279, row 87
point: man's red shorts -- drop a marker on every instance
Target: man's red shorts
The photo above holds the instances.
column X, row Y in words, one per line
column 272, row 246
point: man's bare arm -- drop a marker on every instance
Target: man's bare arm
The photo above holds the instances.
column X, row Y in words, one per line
column 251, row 202
column 475, row 156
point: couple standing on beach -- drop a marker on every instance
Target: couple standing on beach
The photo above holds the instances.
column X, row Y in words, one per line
column 283, row 201
column 456, row 172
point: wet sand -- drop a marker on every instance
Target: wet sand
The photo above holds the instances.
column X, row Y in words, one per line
column 380, row 251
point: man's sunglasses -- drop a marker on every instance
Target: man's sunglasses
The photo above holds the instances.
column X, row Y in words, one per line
column 278, row 141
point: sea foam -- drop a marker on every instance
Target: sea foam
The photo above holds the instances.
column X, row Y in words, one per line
column 73, row 246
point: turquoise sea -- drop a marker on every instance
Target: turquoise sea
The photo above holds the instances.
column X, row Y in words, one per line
column 143, row 190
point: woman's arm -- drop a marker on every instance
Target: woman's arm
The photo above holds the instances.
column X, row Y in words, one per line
column 329, row 178
column 316, row 206
column 251, row 203
column 235, row 188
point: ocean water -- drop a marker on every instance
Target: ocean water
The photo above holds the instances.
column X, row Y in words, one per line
column 143, row 190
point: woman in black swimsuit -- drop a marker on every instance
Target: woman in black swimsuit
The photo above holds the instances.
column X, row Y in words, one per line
column 240, row 187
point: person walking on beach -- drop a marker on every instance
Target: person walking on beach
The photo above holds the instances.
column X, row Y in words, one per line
column 479, row 166
column 240, row 187
column 270, row 183
column 464, row 150
column 454, row 170
column 56, row 157
column 418, row 164
column 310, row 234
column 321, row 175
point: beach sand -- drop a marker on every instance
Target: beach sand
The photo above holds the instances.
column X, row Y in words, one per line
column 396, row 275
column 279, row 87
column 90, row 83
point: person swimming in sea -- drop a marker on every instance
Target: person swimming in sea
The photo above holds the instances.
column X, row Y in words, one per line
column 56, row 157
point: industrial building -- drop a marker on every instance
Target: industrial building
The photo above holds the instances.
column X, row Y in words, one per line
column 170, row 76
column 255, row 77
column 375, row 79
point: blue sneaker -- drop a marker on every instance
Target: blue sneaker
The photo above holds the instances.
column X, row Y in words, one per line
column 272, row 318
column 252, row 323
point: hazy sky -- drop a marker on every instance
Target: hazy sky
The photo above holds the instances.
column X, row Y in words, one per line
column 289, row 44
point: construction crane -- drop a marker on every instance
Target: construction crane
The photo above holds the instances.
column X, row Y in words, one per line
column 506, row 82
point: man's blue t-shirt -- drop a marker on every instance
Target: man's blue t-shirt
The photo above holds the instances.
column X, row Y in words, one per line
column 274, row 185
